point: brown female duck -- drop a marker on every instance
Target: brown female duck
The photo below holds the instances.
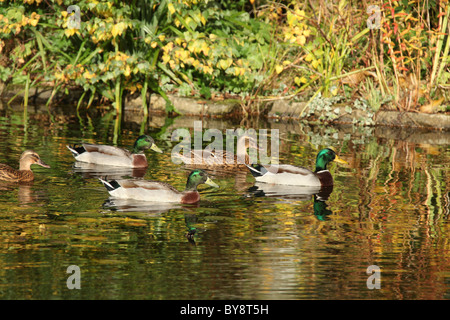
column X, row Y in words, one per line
column 221, row 159
column 24, row 174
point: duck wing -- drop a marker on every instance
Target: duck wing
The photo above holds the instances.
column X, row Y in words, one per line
column 146, row 185
column 261, row 170
column 199, row 158
column 8, row 173
column 285, row 174
column 213, row 159
column 143, row 190
column 106, row 150
column 104, row 155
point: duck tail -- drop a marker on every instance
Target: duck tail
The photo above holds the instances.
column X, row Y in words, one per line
column 110, row 185
column 76, row 151
column 257, row 170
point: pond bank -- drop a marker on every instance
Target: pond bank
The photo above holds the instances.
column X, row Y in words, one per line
column 287, row 110
column 278, row 110
column 327, row 134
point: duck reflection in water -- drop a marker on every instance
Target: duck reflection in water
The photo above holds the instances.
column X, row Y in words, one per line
column 27, row 196
column 320, row 205
column 149, row 208
column 190, row 220
column 297, row 193
column 92, row 170
column 129, row 205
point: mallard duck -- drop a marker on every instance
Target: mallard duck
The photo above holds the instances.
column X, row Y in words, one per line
column 213, row 159
column 115, row 156
column 298, row 176
column 24, row 174
column 156, row 191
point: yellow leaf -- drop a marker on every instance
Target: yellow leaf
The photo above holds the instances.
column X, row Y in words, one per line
column 225, row 63
column 34, row 22
column 205, row 49
column 70, row 32
column 118, row 29
column 168, row 47
column 171, row 8
column 315, row 63
column 24, row 21
column 188, row 20
column 165, row 58
column 208, row 70
column 309, row 57
column 127, row 71
column 301, row 40
column 335, row 91
column 88, row 75
column 278, row 69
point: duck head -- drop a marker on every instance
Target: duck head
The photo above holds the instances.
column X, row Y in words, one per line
column 197, row 177
column 30, row 157
column 326, row 156
column 145, row 142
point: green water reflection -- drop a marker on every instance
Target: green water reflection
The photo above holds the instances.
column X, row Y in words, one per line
column 389, row 207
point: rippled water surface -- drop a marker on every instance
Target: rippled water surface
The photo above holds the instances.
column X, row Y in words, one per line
column 389, row 207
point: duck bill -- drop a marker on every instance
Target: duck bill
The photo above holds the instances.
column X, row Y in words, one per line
column 42, row 164
column 340, row 160
column 211, row 183
column 155, row 148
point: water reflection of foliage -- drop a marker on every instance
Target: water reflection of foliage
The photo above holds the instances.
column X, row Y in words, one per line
column 403, row 208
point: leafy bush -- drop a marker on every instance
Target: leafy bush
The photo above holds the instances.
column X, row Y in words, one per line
column 155, row 45
column 251, row 49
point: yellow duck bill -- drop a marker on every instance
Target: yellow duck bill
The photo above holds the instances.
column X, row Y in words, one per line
column 155, row 148
column 340, row 160
column 211, row 183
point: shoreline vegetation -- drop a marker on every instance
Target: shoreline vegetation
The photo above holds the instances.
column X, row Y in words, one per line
column 380, row 63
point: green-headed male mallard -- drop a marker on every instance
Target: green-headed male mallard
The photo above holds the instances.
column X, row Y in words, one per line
column 24, row 174
column 115, row 156
column 214, row 159
column 299, row 176
column 145, row 190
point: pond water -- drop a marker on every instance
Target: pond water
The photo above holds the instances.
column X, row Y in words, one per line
column 389, row 208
